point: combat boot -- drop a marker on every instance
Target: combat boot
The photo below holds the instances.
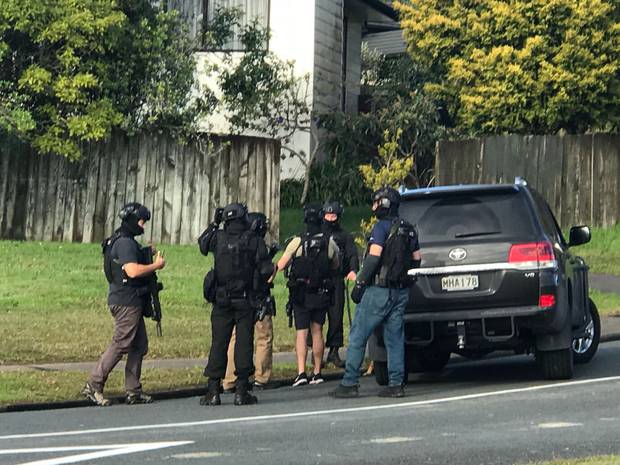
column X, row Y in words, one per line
column 134, row 398
column 345, row 392
column 334, row 358
column 242, row 396
column 212, row 397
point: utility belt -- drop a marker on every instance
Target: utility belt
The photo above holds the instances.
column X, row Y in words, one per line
column 390, row 284
column 302, row 294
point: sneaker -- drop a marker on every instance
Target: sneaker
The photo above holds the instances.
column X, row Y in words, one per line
column 334, row 358
column 345, row 392
column 300, row 380
column 258, row 386
column 134, row 398
column 317, row 378
column 245, row 399
column 95, row 396
column 392, row 391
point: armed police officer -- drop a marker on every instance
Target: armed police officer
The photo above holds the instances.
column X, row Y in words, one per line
column 382, row 292
column 127, row 268
column 264, row 305
column 313, row 260
column 239, row 252
column 349, row 265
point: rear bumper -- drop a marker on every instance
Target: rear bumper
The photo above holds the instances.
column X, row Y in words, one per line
column 477, row 314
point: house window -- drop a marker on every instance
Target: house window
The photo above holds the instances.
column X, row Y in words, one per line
column 252, row 9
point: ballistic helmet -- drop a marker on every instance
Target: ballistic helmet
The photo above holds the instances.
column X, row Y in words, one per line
column 388, row 200
column 312, row 213
column 134, row 209
column 333, row 207
column 258, row 223
column 235, row 211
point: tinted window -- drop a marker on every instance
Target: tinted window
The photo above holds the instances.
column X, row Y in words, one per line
column 470, row 216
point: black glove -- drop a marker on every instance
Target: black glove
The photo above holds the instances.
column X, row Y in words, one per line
column 357, row 292
column 217, row 217
column 274, row 249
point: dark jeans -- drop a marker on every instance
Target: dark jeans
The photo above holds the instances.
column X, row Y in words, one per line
column 129, row 338
column 223, row 320
column 379, row 305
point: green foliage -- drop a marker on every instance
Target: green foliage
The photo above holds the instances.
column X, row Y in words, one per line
column 393, row 100
column 71, row 70
column 524, row 66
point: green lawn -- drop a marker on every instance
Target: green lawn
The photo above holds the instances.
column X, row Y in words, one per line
column 602, row 254
column 597, row 460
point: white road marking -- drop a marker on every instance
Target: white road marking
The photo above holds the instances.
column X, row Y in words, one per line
column 282, row 416
column 201, row 455
column 558, row 424
column 392, row 440
column 104, row 451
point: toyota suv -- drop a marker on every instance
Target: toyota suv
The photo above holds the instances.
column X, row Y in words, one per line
column 496, row 274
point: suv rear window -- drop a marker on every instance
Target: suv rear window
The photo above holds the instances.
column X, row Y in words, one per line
column 469, row 215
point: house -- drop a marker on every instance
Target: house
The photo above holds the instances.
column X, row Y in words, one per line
column 322, row 37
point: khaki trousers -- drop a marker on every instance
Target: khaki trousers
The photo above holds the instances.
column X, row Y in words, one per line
column 263, row 361
column 129, row 338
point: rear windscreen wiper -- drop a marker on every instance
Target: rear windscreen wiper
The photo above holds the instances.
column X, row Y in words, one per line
column 479, row 233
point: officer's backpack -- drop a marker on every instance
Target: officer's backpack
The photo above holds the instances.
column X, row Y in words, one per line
column 235, row 263
column 311, row 267
column 397, row 256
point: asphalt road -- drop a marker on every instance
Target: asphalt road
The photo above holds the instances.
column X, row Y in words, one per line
column 497, row 411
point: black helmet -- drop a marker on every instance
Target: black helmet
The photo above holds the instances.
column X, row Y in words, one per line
column 312, row 213
column 333, row 207
column 258, row 223
column 235, row 211
column 388, row 199
column 134, row 209
column 131, row 214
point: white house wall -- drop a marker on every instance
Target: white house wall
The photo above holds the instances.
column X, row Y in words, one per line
column 292, row 38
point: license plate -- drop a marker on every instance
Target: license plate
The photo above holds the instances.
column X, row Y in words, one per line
column 463, row 282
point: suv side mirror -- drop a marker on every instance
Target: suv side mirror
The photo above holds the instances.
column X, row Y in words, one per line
column 579, row 235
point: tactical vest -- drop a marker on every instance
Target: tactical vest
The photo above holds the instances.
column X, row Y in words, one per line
column 235, row 262
column 311, row 268
column 113, row 269
column 397, row 256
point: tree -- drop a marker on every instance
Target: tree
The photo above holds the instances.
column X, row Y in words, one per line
column 72, row 70
column 525, row 66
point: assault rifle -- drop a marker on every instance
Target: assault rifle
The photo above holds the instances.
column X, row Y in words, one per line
column 153, row 287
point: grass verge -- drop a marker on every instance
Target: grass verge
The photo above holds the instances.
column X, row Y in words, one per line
column 607, row 304
column 35, row 386
column 602, row 254
column 597, row 460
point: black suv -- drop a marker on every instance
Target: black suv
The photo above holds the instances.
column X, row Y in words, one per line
column 496, row 274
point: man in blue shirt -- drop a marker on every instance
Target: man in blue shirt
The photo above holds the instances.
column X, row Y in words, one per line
column 382, row 292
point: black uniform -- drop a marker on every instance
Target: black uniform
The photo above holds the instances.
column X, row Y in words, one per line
column 238, row 252
column 349, row 261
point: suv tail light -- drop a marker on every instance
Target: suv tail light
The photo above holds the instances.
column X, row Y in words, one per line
column 538, row 254
column 546, row 301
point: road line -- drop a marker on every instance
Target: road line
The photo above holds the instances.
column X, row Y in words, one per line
column 314, row 413
column 558, row 425
column 121, row 449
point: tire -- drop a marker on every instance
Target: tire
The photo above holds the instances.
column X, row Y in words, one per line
column 381, row 373
column 585, row 348
column 432, row 360
column 556, row 364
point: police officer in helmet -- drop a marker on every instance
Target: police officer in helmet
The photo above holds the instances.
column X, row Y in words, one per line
column 239, row 252
column 382, row 292
column 125, row 266
column 313, row 260
column 349, row 265
column 263, row 328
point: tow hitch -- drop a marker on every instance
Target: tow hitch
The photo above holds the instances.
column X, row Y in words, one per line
column 460, row 332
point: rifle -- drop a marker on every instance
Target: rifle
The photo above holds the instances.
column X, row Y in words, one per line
column 153, row 287
column 289, row 313
column 346, row 293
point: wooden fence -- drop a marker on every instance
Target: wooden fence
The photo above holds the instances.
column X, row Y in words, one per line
column 579, row 176
column 49, row 198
